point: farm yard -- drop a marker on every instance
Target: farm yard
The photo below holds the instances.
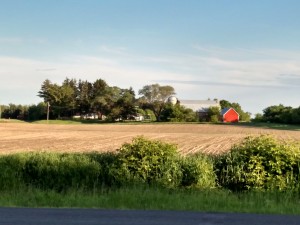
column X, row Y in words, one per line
column 190, row 138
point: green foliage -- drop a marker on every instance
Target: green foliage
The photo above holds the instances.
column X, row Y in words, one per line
column 11, row 167
column 83, row 97
column 178, row 113
column 273, row 113
column 258, row 117
column 214, row 119
column 156, row 198
column 198, row 171
column 155, row 162
column 37, row 112
column 107, row 161
column 13, row 111
column 149, row 115
column 154, row 97
column 257, row 163
column 121, row 104
column 213, row 114
column 281, row 114
column 48, row 171
column 147, row 161
column 60, row 171
column 260, row 163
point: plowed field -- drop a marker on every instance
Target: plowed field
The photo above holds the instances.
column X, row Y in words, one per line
column 190, row 138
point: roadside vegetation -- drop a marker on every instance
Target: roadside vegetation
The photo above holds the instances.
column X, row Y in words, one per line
column 258, row 175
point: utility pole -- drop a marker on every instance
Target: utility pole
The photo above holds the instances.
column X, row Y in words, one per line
column 48, row 109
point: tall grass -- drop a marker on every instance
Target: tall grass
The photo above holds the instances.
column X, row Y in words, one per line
column 48, row 171
column 156, row 198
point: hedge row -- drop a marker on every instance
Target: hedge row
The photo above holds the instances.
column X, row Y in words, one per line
column 257, row 163
column 142, row 161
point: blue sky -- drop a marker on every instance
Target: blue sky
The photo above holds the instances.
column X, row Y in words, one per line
column 242, row 51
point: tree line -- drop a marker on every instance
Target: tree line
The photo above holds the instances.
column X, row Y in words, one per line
column 279, row 114
column 80, row 97
column 111, row 103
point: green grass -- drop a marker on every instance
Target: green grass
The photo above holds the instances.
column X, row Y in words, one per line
column 146, row 198
column 66, row 122
column 276, row 126
column 72, row 122
column 11, row 121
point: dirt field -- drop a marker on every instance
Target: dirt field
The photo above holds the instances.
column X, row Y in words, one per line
column 190, row 138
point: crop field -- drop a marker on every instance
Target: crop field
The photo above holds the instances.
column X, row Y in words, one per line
column 190, row 138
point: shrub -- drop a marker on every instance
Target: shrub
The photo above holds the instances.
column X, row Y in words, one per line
column 148, row 161
column 198, row 171
column 259, row 163
column 60, row 171
column 214, row 118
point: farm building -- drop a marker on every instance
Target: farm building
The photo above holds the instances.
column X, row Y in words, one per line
column 199, row 106
column 229, row 115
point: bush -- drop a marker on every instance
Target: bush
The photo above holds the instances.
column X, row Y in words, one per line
column 158, row 163
column 60, row 171
column 214, row 118
column 148, row 161
column 260, row 163
column 198, row 171
column 178, row 113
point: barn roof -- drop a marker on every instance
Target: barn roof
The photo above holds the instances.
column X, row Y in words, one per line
column 199, row 105
column 225, row 110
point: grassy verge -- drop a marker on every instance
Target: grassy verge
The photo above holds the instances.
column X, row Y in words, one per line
column 11, row 121
column 79, row 121
column 146, row 198
column 276, row 126
column 67, row 122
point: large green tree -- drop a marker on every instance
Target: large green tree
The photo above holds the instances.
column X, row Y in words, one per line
column 13, row 111
column 279, row 114
column 178, row 113
column 154, row 97
column 100, row 97
column 214, row 114
column 37, row 112
column 62, row 98
column 84, row 98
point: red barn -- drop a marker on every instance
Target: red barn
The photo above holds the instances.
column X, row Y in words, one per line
column 229, row 115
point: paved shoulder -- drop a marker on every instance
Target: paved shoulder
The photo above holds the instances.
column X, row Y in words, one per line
column 45, row 216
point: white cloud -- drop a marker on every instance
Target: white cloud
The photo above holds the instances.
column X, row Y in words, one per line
column 234, row 74
column 239, row 67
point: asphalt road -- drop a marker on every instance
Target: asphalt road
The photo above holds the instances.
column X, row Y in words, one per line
column 42, row 216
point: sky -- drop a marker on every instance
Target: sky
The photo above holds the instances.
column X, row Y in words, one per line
column 241, row 51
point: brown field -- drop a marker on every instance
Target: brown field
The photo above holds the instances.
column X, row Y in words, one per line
column 190, row 138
